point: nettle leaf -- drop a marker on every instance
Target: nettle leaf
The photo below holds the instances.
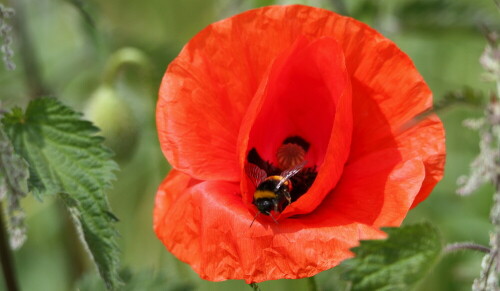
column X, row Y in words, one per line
column 466, row 95
column 397, row 262
column 13, row 187
column 66, row 158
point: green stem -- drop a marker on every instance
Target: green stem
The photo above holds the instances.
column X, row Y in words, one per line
column 254, row 286
column 6, row 259
column 126, row 56
column 29, row 60
column 74, row 253
column 340, row 7
column 311, row 284
column 466, row 246
column 89, row 24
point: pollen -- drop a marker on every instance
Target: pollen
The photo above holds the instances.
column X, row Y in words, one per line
column 290, row 155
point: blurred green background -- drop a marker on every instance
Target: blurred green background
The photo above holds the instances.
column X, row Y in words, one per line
column 79, row 47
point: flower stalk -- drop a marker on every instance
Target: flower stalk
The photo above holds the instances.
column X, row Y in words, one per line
column 466, row 246
column 490, row 267
column 311, row 284
column 254, row 286
column 6, row 37
column 126, row 56
column 488, row 279
column 29, row 61
column 6, row 257
column 340, row 7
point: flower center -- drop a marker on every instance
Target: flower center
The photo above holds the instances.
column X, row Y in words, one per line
column 291, row 153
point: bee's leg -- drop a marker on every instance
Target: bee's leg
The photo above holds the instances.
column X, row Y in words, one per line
column 275, row 206
column 288, row 197
column 256, row 215
column 273, row 218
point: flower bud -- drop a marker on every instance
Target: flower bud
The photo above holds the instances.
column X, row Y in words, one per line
column 114, row 116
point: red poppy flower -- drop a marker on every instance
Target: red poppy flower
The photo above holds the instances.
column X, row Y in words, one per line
column 290, row 87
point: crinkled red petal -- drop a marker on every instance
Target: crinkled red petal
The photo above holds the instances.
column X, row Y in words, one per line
column 425, row 140
column 209, row 99
column 209, row 86
column 208, row 226
column 377, row 195
column 307, row 94
column 379, row 188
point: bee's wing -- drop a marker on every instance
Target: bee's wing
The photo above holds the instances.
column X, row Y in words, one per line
column 256, row 174
column 287, row 174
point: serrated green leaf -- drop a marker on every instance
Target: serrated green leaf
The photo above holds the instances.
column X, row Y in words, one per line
column 397, row 262
column 13, row 187
column 465, row 95
column 66, row 158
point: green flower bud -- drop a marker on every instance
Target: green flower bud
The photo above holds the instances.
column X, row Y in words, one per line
column 114, row 116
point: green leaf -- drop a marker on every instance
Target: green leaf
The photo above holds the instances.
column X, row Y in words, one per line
column 397, row 262
column 13, row 187
column 465, row 95
column 66, row 158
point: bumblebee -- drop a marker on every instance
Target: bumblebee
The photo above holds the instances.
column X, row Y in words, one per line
column 272, row 192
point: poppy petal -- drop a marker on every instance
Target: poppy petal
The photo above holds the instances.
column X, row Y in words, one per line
column 197, row 134
column 378, row 163
column 208, row 87
column 424, row 140
column 312, row 73
column 377, row 195
column 335, row 157
column 382, row 186
column 192, row 225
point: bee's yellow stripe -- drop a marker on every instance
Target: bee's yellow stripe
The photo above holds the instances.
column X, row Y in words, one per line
column 264, row 194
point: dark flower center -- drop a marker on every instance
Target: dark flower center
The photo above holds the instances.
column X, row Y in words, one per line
column 292, row 152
